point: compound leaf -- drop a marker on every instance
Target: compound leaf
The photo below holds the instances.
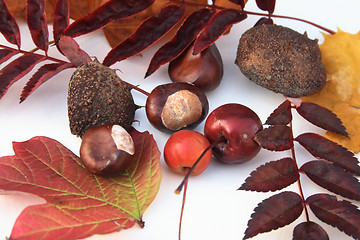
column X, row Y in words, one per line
column 281, row 115
column 275, row 138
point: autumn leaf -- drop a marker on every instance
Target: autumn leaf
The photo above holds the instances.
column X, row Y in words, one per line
column 78, row 204
column 309, row 231
column 275, row 138
column 341, row 58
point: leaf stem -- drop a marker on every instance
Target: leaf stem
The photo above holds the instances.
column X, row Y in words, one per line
column 183, row 201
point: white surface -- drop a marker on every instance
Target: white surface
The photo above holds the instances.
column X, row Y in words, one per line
column 214, row 209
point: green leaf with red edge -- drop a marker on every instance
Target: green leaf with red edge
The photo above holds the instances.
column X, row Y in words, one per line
column 281, row 115
column 16, row 70
column 8, row 26
column 321, row 117
column 43, row 74
column 340, row 214
column 274, row 212
column 106, row 13
column 216, row 27
column 275, row 138
column 153, row 28
column 309, row 231
column 332, row 178
column 36, row 20
column 326, row 149
column 78, row 204
column 272, row 176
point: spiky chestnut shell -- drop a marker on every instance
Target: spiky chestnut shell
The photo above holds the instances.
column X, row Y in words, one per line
column 282, row 60
column 97, row 96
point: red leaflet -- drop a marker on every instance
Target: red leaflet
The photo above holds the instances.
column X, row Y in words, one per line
column 326, row 149
column 264, row 20
column 217, row 26
column 61, row 18
column 309, row 231
column 333, row 178
column 71, row 50
column 340, row 214
column 36, row 19
column 8, row 25
column 266, row 5
column 109, row 11
column 274, row 212
column 186, row 34
column 321, row 117
column 281, row 115
column 239, row 2
column 6, row 54
column 272, row 176
column 42, row 75
column 275, row 138
column 153, row 28
column 16, row 70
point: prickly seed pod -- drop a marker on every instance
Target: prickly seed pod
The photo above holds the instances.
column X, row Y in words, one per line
column 97, row 96
column 282, row 60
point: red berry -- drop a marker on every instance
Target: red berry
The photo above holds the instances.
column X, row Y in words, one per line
column 182, row 150
column 234, row 127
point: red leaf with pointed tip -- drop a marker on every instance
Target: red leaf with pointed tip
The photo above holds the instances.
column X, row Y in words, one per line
column 186, row 34
column 272, row 176
column 273, row 213
column 340, row 214
column 333, row 178
column 16, row 70
column 217, row 26
column 321, row 117
column 153, row 28
column 8, row 26
column 275, row 138
column 266, row 5
column 309, row 231
column 109, row 11
column 72, row 51
column 6, row 54
column 78, row 204
column 281, row 115
column 41, row 76
column 323, row 148
column 61, row 18
column 36, row 20
column 239, row 2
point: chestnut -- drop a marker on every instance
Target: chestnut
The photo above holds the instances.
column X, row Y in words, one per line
column 106, row 150
column 174, row 106
column 204, row 70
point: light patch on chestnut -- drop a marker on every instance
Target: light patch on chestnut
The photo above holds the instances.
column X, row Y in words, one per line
column 122, row 139
column 181, row 109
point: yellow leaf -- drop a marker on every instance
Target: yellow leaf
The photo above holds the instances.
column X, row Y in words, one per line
column 341, row 94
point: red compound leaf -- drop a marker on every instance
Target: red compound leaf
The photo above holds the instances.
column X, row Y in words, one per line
column 71, row 50
column 274, row 212
column 309, row 231
column 281, row 115
column 109, row 11
column 239, row 2
column 275, row 138
column 41, row 76
column 6, row 54
column 36, row 20
column 266, row 5
column 272, row 176
column 153, row 28
column 321, row 117
column 323, row 148
column 8, row 25
column 340, row 214
column 186, row 34
column 332, row 178
column 16, row 70
column 61, row 18
column 216, row 27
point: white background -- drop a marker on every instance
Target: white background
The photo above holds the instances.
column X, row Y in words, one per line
column 214, row 209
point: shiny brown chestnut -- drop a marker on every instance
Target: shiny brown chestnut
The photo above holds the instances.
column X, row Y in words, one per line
column 174, row 106
column 106, row 150
column 204, row 70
